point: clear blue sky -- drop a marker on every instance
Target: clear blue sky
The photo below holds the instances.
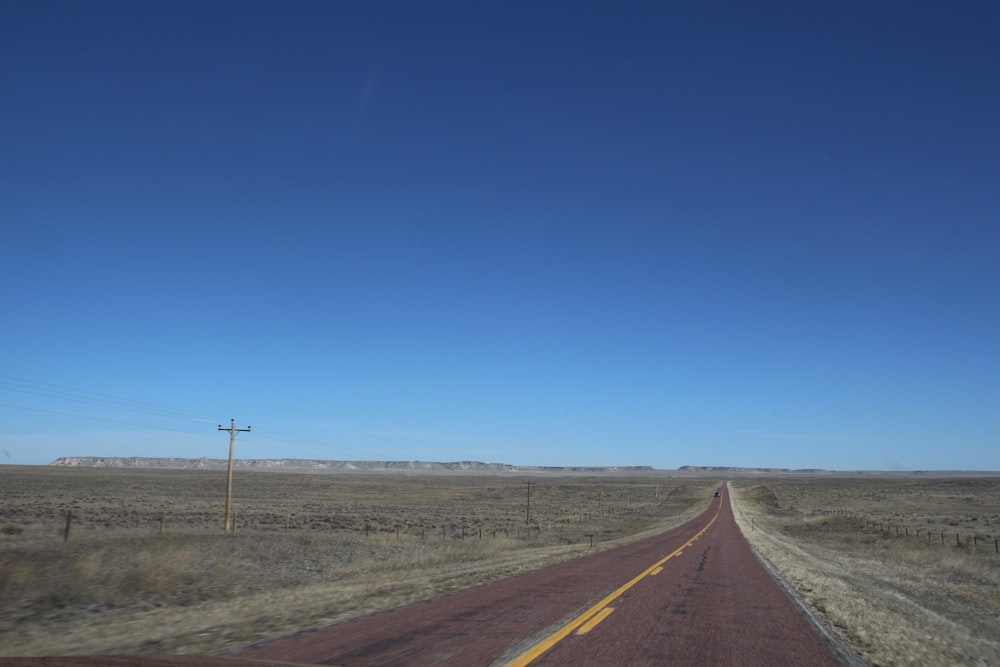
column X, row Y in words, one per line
column 711, row 233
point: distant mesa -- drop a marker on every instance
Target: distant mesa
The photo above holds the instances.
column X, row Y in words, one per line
column 332, row 466
column 322, row 466
column 738, row 469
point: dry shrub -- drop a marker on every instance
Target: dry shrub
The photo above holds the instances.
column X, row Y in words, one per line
column 138, row 572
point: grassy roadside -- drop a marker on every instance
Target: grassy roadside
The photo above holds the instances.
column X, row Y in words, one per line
column 119, row 586
column 892, row 601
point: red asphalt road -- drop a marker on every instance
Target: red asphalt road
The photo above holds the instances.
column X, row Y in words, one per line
column 712, row 603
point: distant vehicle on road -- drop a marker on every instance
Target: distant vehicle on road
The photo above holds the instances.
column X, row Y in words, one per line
column 717, row 494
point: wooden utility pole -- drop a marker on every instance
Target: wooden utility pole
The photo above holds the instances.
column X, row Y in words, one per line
column 527, row 511
column 229, row 473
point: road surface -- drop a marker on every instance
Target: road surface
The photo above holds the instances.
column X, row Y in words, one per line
column 694, row 595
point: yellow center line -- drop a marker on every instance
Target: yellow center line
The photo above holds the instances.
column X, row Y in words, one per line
column 598, row 617
column 541, row 647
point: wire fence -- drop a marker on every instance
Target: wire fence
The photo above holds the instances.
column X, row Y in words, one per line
column 975, row 542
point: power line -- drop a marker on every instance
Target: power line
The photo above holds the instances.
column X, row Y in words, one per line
column 261, row 444
column 325, row 451
column 276, row 441
column 103, row 419
column 308, row 444
column 61, row 392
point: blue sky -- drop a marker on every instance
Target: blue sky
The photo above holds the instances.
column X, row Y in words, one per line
column 530, row 232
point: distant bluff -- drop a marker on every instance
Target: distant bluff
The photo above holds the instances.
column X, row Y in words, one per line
column 754, row 470
column 325, row 466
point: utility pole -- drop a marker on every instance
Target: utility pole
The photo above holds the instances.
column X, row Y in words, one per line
column 527, row 511
column 229, row 474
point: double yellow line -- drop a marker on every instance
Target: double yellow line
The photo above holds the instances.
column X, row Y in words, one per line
column 590, row 618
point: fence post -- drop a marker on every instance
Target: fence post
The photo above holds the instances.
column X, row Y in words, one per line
column 958, row 543
column 162, row 519
column 69, row 523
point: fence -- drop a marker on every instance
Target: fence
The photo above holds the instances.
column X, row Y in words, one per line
column 974, row 543
column 416, row 528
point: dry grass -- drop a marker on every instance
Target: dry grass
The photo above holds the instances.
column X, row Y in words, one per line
column 893, row 600
column 118, row 585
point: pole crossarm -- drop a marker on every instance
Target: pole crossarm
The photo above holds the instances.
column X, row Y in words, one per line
column 232, row 427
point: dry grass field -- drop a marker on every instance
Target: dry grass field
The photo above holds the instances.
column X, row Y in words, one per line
column 146, row 567
column 867, row 553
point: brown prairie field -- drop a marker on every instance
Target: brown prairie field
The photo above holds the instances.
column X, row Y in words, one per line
column 902, row 569
column 146, row 567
